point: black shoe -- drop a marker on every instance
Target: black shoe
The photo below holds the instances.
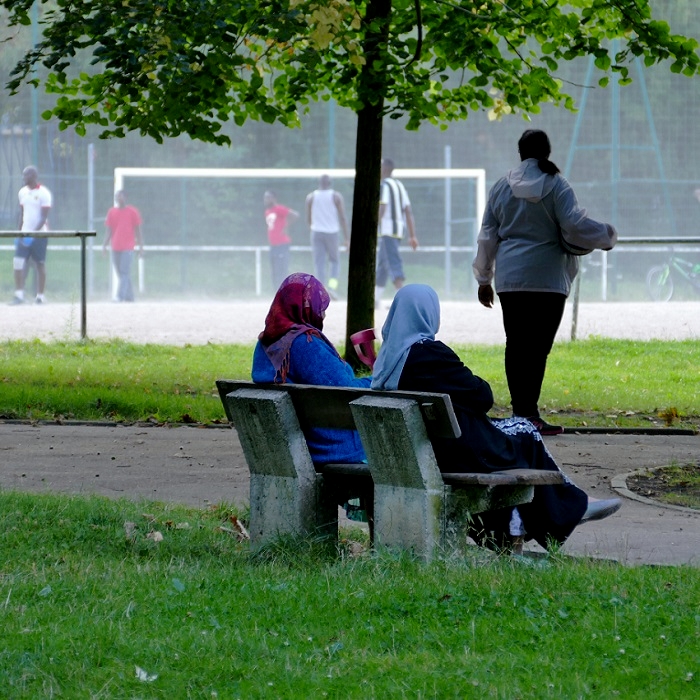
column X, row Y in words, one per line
column 544, row 428
column 597, row 510
column 39, row 301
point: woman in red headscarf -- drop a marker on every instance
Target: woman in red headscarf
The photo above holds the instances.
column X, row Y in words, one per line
column 292, row 348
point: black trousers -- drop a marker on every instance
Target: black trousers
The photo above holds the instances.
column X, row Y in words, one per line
column 531, row 321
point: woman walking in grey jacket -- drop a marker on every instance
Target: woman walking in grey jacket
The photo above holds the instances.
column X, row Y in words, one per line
column 519, row 249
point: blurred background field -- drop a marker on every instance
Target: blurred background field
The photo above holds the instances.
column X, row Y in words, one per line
column 632, row 154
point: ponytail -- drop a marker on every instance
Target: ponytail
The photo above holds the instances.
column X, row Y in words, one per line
column 534, row 143
column 547, row 167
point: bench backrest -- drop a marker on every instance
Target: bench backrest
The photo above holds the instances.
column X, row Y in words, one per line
column 329, row 407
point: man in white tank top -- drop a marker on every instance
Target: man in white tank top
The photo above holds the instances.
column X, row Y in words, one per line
column 325, row 212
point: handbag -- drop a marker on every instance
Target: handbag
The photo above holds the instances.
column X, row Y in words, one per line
column 569, row 248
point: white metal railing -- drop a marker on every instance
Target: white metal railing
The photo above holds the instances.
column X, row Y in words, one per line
column 646, row 244
column 629, row 244
column 256, row 250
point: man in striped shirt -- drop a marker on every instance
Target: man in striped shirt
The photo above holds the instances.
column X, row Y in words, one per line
column 395, row 216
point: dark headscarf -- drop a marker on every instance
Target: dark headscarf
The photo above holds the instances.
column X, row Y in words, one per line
column 297, row 309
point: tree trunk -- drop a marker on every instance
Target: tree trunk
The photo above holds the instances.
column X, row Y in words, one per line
column 365, row 213
column 368, row 164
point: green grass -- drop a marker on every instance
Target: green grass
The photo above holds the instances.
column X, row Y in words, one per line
column 83, row 604
column 595, row 382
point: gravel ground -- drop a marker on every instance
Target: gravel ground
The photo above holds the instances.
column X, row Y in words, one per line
column 178, row 323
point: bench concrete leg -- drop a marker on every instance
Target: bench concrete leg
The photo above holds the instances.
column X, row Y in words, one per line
column 462, row 504
column 285, row 490
column 408, row 486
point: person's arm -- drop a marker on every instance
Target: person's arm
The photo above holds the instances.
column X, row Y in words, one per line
column 434, row 366
column 108, row 238
column 315, row 362
column 309, row 203
column 411, row 225
column 139, row 238
column 483, row 265
column 44, row 216
column 383, row 202
column 292, row 216
column 108, row 231
column 138, row 234
column 340, row 206
column 581, row 230
column 487, row 245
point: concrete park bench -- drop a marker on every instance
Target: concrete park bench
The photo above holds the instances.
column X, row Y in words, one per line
column 411, row 504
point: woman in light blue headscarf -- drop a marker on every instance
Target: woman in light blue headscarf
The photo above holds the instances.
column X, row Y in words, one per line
column 411, row 359
column 414, row 317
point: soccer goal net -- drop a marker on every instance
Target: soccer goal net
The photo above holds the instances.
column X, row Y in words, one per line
column 205, row 231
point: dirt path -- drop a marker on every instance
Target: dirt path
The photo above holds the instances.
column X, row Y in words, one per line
column 203, row 466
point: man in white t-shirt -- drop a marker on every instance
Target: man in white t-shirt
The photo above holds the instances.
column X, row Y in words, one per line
column 395, row 216
column 325, row 213
column 34, row 206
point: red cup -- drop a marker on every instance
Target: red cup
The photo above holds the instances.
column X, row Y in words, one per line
column 363, row 342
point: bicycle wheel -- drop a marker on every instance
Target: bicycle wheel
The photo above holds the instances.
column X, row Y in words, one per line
column 660, row 283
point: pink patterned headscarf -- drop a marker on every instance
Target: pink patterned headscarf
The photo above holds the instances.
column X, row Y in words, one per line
column 297, row 309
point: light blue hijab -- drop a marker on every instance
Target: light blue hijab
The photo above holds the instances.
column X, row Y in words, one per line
column 414, row 317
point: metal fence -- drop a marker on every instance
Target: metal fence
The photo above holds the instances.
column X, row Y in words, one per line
column 83, row 235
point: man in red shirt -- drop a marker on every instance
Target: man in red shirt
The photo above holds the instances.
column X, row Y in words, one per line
column 277, row 217
column 123, row 224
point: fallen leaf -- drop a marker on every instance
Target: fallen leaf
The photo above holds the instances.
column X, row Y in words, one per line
column 155, row 535
column 240, row 528
column 143, row 676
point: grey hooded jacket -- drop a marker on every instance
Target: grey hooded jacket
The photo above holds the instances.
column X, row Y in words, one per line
column 519, row 237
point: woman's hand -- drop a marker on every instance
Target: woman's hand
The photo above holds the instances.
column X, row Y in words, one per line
column 486, row 295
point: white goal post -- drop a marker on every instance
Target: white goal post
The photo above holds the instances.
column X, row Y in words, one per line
column 477, row 176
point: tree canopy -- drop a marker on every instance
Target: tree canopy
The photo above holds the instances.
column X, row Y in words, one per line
column 168, row 67
column 187, row 66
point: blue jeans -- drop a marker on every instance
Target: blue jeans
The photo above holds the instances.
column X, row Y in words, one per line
column 388, row 261
column 121, row 260
column 279, row 262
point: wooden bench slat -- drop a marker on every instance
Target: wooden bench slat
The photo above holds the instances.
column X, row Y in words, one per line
column 346, row 469
column 329, row 406
column 510, row 477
